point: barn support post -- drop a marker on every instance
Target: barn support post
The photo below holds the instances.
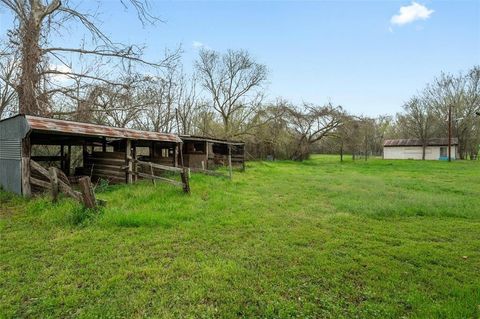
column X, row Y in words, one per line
column 68, row 160
column 175, row 156
column 128, row 160
column 230, row 161
column 26, row 153
column 243, row 159
column 62, row 157
column 135, row 166
column 104, row 144
column 206, row 155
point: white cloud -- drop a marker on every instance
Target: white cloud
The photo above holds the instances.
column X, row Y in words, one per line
column 411, row 13
column 60, row 68
column 199, row 45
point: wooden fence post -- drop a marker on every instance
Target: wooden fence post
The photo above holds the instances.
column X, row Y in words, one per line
column 151, row 172
column 88, row 195
column 53, row 183
column 186, row 184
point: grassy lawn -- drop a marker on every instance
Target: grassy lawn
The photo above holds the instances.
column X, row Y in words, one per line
column 376, row 239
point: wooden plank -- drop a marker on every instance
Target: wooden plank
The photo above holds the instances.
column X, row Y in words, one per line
column 26, row 152
column 159, row 166
column 112, row 155
column 53, row 183
column 119, row 174
column 42, row 184
column 48, row 158
column 64, row 188
column 106, row 166
column 128, row 161
column 111, row 161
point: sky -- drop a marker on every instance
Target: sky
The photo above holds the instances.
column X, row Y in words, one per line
column 368, row 56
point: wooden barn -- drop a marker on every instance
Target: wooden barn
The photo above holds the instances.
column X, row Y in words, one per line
column 118, row 155
column 207, row 153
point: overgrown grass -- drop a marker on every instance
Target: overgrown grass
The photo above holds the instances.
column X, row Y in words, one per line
column 376, row 239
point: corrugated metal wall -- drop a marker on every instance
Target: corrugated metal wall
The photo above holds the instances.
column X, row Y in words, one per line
column 12, row 132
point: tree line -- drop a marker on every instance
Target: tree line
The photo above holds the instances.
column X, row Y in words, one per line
column 104, row 82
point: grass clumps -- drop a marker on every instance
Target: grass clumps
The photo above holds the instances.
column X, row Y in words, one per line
column 375, row 239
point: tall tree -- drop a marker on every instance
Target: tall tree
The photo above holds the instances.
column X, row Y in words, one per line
column 33, row 21
column 233, row 81
column 418, row 121
column 312, row 123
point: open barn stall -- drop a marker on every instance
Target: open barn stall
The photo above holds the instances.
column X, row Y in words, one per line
column 209, row 153
column 77, row 149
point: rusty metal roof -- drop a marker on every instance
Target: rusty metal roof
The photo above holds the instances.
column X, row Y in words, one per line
column 85, row 129
column 209, row 139
column 418, row 142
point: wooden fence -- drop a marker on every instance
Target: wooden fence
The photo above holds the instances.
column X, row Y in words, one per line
column 55, row 181
column 152, row 171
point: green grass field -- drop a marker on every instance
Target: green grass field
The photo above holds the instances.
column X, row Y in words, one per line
column 319, row 239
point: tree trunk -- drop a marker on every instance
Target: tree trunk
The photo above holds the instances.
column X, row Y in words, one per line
column 424, row 147
column 31, row 59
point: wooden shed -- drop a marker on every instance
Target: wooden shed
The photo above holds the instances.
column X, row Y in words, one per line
column 105, row 152
column 207, row 153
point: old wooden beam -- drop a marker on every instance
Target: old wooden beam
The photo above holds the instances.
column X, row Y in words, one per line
column 128, row 160
column 230, row 161
column 68, row 160
column 88, row 195
column 53, row 183
column 134, row 164
column 206, row 155
column 159, row 166
column 104, row 144
column 26, row 153
column 62, row 157
column 185, row 180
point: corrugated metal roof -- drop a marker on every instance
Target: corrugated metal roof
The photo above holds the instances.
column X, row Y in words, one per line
column 77, row 128
column 418, row 142
column 210, row 139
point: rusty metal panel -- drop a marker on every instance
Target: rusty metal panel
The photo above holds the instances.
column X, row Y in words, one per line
column 418, row 142
column 86, row 129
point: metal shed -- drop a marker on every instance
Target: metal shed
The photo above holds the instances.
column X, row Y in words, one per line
column 108, row 152
column 412, row 148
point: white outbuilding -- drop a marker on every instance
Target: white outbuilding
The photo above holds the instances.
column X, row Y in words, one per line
column 436, row 149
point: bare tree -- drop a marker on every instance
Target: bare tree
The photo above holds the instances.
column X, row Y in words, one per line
column 8, row 75
column 34, row 20
column 311, row 124
column 189, row 105
column 418, row 121
column 234, row 82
